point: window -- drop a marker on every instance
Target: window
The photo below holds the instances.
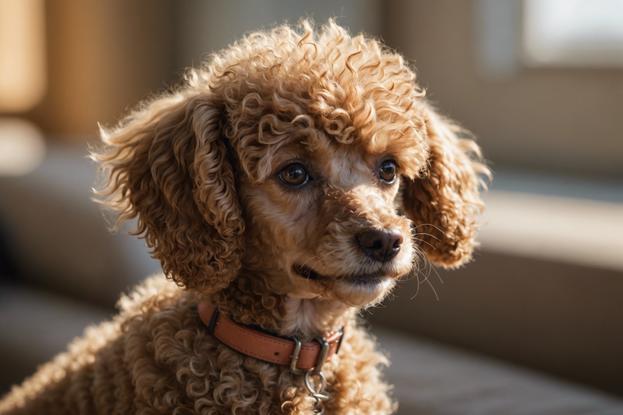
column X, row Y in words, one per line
column 573, row 32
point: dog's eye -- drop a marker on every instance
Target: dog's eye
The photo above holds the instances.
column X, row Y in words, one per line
column 294, row 175
column 387, row 171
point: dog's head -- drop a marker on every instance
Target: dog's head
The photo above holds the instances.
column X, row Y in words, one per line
column 312, row 160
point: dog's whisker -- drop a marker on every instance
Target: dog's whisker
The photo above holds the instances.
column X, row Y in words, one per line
column 427, row 234
column 423, row 241
column 433, row 269
column 432, row 287
column 429, row 268
column 417, row 288
column 437, row 274
column 419, row 225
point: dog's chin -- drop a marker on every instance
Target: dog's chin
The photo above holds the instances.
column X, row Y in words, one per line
column 361, row 295
column 354, row 290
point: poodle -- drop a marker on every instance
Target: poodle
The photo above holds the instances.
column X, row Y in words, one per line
column 287, row 184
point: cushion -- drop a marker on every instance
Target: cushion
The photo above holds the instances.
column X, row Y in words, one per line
column 58, row 236
column 433, row 379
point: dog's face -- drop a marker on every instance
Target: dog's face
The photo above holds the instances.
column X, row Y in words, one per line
column 313, row 162
column 331, row 217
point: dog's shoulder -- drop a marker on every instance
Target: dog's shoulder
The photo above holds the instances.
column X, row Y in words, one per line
column 160, row 302
column 154, row 289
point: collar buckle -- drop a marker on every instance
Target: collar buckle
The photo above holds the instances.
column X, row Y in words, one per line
column 295, row 356
column 322, row 356
column 320, row 361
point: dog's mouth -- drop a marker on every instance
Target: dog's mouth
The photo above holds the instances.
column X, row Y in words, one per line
column 359, row 279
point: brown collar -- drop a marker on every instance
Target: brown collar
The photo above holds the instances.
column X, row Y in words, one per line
column 267, row 347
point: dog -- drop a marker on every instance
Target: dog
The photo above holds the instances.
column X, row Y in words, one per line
column 284, row 186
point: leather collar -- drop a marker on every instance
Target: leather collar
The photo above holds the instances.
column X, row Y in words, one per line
column 269, row 347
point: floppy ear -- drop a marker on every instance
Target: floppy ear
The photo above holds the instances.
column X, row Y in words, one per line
column 168, row 166
column 444, row 201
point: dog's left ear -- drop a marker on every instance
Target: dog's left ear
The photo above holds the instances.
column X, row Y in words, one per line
column 444, row 201
column 169, row 165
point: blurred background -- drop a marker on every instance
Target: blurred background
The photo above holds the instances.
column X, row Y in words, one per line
column 534, row 325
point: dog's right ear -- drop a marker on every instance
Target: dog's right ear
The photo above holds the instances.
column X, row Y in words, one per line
column 445, row 201
column 168, row 165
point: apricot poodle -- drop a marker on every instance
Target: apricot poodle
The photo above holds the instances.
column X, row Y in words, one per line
column 286, row 185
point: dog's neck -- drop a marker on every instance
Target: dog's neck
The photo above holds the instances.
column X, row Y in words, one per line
column 249, row 300
column 314, row 317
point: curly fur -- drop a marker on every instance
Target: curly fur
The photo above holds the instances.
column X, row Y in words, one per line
column 198, row 170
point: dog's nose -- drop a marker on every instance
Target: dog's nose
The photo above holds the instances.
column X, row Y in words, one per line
column 380, row 245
